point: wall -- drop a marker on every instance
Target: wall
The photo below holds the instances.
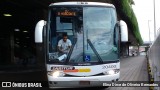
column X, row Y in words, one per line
column 153, row 55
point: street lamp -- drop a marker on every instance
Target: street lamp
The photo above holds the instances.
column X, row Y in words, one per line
column 154, row 20
column 149, row 31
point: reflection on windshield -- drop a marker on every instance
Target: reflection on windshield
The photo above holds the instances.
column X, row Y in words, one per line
column 90, row 33
column 101, row 40
column 94, row 50
column 99, row 30
column 77, row 53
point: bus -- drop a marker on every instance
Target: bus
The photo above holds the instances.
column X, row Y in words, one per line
column 93, row 37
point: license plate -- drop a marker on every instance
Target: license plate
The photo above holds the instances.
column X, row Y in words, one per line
column 84, row 82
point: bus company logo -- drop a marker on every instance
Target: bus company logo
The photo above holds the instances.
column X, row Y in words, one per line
column 63, row 68
column 6, row 84
column 108, row 66
column 70, row 69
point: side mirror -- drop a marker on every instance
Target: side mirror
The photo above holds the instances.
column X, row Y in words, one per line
column 124, row 31
column 39, row 31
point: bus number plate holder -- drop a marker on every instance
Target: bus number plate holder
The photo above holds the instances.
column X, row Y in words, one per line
column 84, row 82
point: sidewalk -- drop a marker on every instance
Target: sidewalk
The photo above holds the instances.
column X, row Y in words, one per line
column 133, row 69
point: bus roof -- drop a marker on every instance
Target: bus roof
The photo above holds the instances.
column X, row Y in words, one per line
column 83, row 3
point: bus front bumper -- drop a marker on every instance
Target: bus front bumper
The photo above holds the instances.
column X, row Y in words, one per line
column 64, row 82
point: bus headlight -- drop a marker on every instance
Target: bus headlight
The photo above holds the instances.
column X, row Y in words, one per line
column 111, row 72
column 56, row 73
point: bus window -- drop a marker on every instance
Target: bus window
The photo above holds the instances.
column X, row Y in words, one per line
column 62, row 23
column 90, row 30
column 96, row 42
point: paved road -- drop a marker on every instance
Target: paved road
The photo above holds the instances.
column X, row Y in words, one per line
column 132, row 69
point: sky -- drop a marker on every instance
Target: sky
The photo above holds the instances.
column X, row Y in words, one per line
column 144, row 11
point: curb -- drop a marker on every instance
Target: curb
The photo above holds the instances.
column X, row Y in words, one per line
column 150, row 77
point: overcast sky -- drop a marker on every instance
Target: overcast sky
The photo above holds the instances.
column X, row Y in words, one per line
column 144, row 11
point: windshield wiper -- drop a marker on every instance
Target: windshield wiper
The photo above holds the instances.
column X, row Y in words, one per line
column 95, row 51
column 70, row 51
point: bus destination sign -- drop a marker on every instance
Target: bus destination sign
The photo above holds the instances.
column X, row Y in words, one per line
column 66, row 13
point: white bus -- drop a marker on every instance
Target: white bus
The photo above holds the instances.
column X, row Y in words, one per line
column 94, row 35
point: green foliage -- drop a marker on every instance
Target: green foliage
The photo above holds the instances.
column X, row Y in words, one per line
column 127, row 14
column 131, row 2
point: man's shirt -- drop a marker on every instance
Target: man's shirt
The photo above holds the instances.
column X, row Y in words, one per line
column 64, row 45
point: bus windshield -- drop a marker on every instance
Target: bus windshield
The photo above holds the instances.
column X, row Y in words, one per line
column 82, row 34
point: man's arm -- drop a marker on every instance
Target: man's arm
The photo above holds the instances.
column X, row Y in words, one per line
column 70, row 44
column 59, row 46
column 59, row 49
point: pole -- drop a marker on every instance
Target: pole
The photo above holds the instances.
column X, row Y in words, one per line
column 154, row 20
column 149, row 31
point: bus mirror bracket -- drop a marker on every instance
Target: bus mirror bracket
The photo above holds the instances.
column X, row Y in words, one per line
column 39, row 31
column 124, row 31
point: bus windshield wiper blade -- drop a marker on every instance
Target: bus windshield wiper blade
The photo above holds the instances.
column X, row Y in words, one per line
column 70, row 51
column 95, row 51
